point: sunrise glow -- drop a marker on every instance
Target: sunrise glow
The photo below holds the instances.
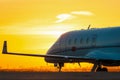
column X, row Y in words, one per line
column 32, row 26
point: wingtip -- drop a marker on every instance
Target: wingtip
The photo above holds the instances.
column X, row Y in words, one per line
column 4, row 47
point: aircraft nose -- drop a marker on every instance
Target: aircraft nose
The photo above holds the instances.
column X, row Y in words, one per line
column 47, row 59
column 49, row 51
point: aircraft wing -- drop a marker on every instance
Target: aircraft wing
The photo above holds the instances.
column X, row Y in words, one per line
column 90, row 57
column 4, row 51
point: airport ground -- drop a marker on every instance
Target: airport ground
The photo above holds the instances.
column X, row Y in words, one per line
column 54, row 69
column 52, row 74
column 59, row 76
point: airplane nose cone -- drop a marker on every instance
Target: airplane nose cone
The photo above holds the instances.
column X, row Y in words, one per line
column 47, row 59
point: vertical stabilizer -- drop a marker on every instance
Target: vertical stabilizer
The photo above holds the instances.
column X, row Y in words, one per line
column 4, row 47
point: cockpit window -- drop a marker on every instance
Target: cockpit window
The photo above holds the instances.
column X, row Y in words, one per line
column 63, row 35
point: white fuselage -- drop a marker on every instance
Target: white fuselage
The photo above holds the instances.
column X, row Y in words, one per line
column 82, row 42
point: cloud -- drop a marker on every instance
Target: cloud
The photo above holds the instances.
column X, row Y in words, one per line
column 71, row 15
column 86, row 13
column 63, row 17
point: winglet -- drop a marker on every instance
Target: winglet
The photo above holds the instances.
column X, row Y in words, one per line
column 4, row 47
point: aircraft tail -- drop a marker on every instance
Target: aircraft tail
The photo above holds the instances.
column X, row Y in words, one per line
column 4, row 47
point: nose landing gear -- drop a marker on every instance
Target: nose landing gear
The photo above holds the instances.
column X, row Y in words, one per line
column 59, row 66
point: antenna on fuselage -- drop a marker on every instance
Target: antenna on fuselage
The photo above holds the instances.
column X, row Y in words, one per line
column 89, row 26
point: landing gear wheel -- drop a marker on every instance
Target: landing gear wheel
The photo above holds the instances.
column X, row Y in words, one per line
column 59, row 68
column 105, row 69
column 60, row 65
column 99, row 69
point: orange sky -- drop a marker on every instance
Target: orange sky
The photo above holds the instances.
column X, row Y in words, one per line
column 34, row 25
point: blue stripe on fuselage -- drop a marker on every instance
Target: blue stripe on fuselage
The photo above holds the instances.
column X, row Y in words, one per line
column 82, row 48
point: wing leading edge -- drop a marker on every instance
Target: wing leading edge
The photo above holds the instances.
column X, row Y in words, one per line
column 75, row 58
column 90, row 57
column 95, row 55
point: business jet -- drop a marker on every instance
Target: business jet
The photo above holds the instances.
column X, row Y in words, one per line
column 98, row 46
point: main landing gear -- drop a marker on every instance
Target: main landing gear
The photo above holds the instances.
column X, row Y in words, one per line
column 101, row 69
column 59, row 66
column 98, row 68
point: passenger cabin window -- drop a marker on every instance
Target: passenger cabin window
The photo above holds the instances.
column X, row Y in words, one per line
column 81, row 41
column 69, row 42
column 94, row 40
column 87, row 40
column 75, row 40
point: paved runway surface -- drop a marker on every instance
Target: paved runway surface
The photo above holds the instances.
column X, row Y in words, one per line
column 59, row 76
